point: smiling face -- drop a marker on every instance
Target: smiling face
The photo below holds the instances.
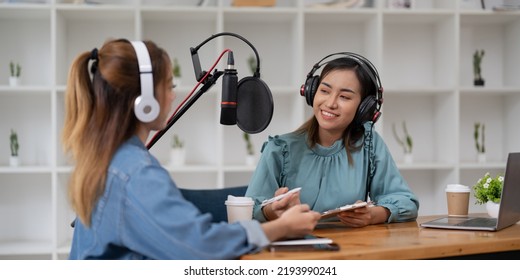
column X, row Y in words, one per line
column 335, row 104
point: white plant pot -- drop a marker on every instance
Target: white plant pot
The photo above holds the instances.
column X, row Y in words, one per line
column 492, row 209
column 250, row 160
column 481, row 157
column 14, row 161
column 177, row 157
column 400, row 4
column 13, row 81
column 408, row 158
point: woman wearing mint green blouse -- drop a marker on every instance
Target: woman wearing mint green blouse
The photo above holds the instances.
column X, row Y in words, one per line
column 336, row 157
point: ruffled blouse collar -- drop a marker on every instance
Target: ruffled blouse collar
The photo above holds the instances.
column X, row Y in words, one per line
column 328, row 151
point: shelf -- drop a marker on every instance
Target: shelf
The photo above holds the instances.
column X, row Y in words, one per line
column 432, row 166
column 423, row 55
column 25, row 170
column 487, row 91
column 25, row 90
column 30, row 247
column 483, row 166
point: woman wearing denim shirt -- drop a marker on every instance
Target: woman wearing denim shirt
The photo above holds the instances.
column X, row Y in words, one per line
column 336, row 157
column 127, row 205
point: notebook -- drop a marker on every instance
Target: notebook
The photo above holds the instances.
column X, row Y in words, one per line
column 508, row 214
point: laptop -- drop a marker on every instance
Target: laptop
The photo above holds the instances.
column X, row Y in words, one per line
column 508, row 214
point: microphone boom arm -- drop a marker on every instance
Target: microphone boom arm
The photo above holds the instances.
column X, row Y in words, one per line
column 210, row 81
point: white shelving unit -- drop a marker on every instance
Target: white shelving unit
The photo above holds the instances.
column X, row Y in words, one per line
column 424, row 56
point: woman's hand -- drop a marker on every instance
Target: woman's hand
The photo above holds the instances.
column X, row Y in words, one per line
column 296, row 222
column 276, row 209
column 364, row 216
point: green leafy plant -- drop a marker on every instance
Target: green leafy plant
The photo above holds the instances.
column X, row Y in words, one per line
column 176, row 68
column 406, row 142
column 479, row 132
column 177, row 143
column 15, row 69
column 14, row 143
column 488, row 189
column 251, row 61
column 477, row 62
column 249, row 144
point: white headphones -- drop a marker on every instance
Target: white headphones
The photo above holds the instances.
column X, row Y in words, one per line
column 146, row 107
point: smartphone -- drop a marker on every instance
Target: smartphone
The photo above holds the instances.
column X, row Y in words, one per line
column 302, row 248
column 307, row 243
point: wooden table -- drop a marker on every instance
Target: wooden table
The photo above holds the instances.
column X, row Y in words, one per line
column 405, row 241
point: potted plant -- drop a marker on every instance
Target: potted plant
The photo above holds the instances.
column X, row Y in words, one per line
column 251, row 62
column 13, row 139
column 250, row 158
column 488, row 191
column 479, row 136
column 178, row 153
column 177, row 74
column 477, row 70
column 15, row 72
column 405, row 142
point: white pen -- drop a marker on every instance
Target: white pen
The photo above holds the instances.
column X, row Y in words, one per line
column 278, row 197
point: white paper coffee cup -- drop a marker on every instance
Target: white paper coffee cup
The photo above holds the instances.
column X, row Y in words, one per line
column 239, row 208
column 457, row 197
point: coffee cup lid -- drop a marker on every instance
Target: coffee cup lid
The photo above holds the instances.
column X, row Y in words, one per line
column 457, row 188
column 239, row 200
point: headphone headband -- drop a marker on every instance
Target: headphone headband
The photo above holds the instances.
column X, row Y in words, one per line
column 146, row 106
column 362, row 61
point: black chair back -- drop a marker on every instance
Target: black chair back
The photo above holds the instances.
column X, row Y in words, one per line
column 212, row 200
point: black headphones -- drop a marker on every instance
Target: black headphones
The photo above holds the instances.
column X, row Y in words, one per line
column 370, row 106
column 146, row 107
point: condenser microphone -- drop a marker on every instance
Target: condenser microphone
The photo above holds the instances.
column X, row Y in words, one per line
column 228, row 105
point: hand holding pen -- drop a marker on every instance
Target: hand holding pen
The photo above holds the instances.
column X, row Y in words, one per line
column 283, row 199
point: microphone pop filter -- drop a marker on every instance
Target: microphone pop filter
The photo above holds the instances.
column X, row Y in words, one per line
column 254, row 105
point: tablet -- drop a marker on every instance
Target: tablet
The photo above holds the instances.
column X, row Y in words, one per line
column 348, row 207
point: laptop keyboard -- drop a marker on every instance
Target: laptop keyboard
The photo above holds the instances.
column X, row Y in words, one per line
column 479, row 222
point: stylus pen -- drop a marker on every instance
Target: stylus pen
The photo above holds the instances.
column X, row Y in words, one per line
column 278, row 197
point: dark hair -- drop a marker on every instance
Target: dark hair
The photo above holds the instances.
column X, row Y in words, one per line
column 100, row 113
column 355, row 130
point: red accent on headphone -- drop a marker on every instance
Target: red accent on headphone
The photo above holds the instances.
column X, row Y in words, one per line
column 376, row 116
column 228, row 103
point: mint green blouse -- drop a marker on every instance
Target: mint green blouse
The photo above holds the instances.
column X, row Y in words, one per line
column 326, row 178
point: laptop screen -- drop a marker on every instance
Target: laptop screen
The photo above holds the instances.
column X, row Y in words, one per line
column 509, row 212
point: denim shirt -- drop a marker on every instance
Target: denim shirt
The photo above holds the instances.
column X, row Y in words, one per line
column 142, row 215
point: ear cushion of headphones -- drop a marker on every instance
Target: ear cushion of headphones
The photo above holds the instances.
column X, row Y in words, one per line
column 146, row 109
column 310, row 88
column 367, row 111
